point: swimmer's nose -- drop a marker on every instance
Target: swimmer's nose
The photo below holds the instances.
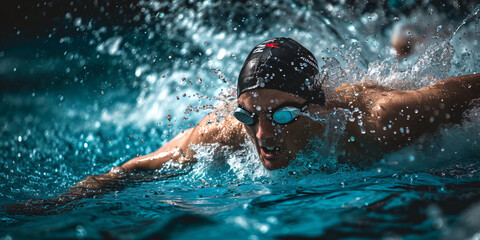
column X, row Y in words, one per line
column 265, row 128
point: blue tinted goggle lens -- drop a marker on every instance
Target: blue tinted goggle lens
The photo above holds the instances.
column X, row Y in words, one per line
column 282, row 116
column 244, row 116
column 285, row 115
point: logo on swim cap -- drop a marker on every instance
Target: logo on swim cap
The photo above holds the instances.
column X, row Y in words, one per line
column 260, row 47
column 272, row 45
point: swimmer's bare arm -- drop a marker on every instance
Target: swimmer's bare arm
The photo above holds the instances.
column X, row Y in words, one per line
column 226, row 132
column 398, row 117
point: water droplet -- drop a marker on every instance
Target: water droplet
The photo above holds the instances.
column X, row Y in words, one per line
column 77, row 22
column 439, row 27
column 307, row 81
column 221, row 54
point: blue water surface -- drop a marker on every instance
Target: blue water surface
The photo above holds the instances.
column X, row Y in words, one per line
column 85, row 87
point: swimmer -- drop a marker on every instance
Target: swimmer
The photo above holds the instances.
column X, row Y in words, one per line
column 408, row 39
column 280, row 99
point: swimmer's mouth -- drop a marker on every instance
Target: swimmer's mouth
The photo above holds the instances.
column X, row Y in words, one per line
column 269, row 152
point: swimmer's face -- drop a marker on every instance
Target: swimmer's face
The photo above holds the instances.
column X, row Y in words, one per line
column 277, row 144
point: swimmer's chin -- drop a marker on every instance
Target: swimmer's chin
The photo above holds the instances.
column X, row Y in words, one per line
column 274, row 164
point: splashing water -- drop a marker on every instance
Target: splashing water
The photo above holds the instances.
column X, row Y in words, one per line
column 101, row 83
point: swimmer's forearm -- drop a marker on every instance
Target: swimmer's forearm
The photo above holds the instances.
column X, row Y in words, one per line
column 94, row 185
column 449, row 98
column 466, row 87
column 96, row 182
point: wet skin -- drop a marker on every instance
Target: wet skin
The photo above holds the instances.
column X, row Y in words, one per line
column 277, row 144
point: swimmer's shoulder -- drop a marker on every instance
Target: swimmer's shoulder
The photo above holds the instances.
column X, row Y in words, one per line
column 373, row 107
column 355, row 95
column 215, row 129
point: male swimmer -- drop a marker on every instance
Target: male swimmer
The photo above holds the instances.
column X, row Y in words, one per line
column 280, row 98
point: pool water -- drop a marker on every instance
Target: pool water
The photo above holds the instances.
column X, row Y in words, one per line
column 85, row 87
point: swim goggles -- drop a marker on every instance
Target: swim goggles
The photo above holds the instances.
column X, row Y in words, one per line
column 282, row 115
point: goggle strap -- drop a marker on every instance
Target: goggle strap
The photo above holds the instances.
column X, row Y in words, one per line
column 305, row 105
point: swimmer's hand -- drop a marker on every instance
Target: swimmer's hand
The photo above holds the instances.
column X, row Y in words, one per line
column 38, row 207
column 87, row 188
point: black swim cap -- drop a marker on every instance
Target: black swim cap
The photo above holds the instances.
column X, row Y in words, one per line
column 282, row 64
